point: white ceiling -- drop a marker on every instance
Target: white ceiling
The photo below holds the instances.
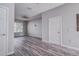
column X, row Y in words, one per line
column 32, row 9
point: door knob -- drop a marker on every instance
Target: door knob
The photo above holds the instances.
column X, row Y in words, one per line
column 58, row 32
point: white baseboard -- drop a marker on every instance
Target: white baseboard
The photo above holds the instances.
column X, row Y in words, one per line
column 10, row 53
column 74, row 48
column 45, row 41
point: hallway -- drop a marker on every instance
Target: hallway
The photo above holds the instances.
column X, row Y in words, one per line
column 29, row 46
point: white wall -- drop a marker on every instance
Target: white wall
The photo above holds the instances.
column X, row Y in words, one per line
column 68, row 13
column 35, row 31
column 11, row 26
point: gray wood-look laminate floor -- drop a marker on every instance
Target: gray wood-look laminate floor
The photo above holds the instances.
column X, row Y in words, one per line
column 29, row 46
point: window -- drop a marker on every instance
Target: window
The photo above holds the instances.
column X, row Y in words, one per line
column 77, row 22
column 18, row 27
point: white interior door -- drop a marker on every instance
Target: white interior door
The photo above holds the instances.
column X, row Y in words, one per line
column 3, row 31
column 55, row 30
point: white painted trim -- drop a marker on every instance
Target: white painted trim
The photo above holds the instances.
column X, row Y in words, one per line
column 61, row 30
column 45, row 41
column 74, row 48
column 10, row 53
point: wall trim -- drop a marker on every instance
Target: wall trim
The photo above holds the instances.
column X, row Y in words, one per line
column 35, row 37
column 45, row 41
column 74, row 48
column 10, row 53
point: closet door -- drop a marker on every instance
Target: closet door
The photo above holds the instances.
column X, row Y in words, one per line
column 3, row 31
column 55, row 30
